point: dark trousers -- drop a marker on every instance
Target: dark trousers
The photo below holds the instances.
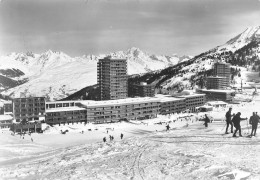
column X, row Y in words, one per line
column 238, row 128
column 231, row 124
column 254, row 128
column 206, row 124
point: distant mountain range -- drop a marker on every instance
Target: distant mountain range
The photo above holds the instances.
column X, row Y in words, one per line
column 57, row 75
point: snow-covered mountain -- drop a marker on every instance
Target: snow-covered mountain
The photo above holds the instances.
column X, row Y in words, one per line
column 243, row 50
column 57, row 75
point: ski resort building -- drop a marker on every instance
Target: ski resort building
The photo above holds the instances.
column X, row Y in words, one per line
column 112, row 78
column 123, row 109
column 217, row 94
column 8, row 107
column 62, row 112
column 5, row 121
column 141, row 90
column 27, row 127
column 29, row 109
column 28, row 114
column 171, row 105
column 223, row 70
column 216, row 82
column 193, row 100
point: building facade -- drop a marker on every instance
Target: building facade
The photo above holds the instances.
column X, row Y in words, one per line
column 6, row 121
column 26, row 127
column 8, row 107
column 65, row 112
column 123, row 109
column 28, row 109
column 171, row 105
column 216, row 82
column 218, row 94
column 223, row 70
column 112, row 78
column 141, row 90
column 194, row 100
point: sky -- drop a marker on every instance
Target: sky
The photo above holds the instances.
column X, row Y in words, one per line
column 81, row 27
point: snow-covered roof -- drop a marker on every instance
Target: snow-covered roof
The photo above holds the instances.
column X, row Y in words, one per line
column 74, row 108
column 56, row 102
column 167, row 99
column 216, row 77
column 120, row 101
column 5, row 117
column 191, row 95
column 218, row 90
column 217, row 103
column 8, row 102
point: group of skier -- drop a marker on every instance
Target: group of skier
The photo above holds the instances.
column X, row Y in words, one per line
column 112, row 137
column 234, row 120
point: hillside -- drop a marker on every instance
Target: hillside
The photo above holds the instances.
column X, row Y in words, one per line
column 57, row 75
column 243, row 51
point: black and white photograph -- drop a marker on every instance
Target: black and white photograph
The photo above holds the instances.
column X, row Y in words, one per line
column 129, row 89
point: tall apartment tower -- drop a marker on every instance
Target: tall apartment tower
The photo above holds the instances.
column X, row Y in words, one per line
column 112, row 78
column 223, row 70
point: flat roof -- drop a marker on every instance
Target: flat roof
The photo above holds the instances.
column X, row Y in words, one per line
column 74, row 108
column 55, row 102
column 112, row 58
column 8, row 102
column 5, row 117
column 167, row 98
column 216, row 77
column 120, row 101
column 217, row 90
column 216, row 102
column 191, row 95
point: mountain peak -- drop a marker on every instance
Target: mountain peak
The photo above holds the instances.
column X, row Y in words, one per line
column 251, row 33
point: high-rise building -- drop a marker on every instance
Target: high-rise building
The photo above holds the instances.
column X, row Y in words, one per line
column 112, row 78
column 216, row 82
column 223, row 70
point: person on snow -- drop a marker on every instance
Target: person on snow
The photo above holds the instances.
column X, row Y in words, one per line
column 228, row 120
column 167, row 127
column 121, row 135
column 236, row 121
column 104, row 139
column 254, row 120
column 206, row 119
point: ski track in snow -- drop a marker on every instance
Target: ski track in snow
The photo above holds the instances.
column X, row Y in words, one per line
column 191, row 152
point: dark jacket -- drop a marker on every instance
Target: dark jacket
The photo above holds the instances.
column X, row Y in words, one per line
column 228, row 116
column 236, row 120
column 254, row 120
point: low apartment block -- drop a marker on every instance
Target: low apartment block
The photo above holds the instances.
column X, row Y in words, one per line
column 194, row 100
column 171, row 105
column 62, row 112
column 123, row 109
column 29, row 109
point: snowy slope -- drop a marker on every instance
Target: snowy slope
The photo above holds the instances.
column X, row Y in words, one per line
column 243, row 51
column 57, row 75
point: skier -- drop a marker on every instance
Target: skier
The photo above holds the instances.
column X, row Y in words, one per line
column 206, row 120
column 236, row 121
column 228, row 120
column 167, row 127
column 104, row 139
column 121, row 136
column 254, row 122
